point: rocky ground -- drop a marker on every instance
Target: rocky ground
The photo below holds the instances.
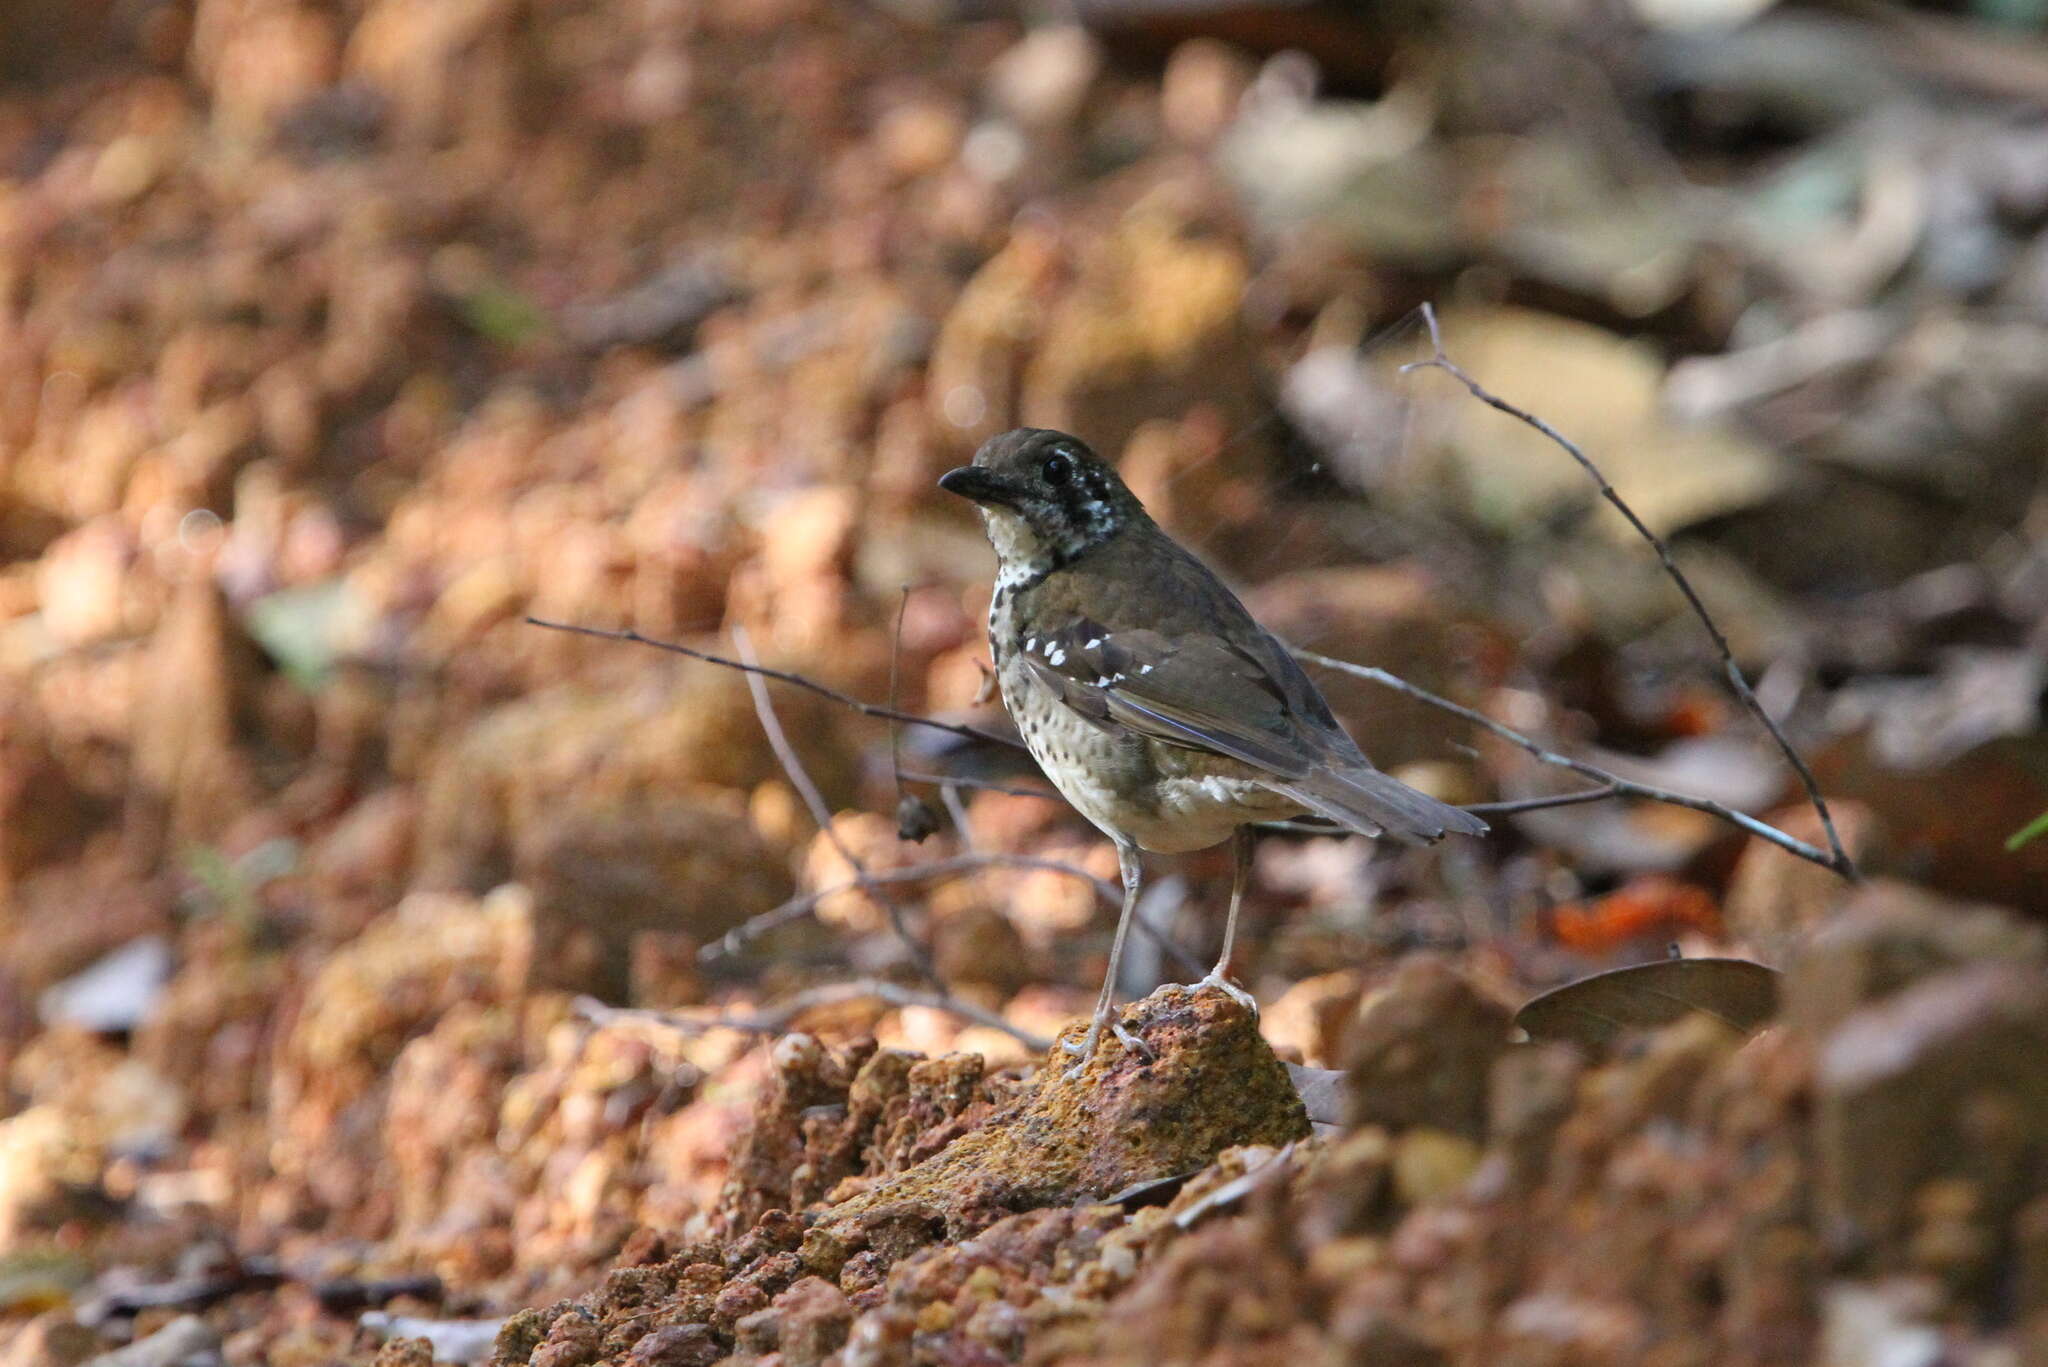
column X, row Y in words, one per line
column 385, row 978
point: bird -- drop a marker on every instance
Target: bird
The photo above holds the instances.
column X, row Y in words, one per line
column 1150, row 697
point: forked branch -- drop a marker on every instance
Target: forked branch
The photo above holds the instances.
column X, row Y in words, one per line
column 1836, row 857
column 821, row 813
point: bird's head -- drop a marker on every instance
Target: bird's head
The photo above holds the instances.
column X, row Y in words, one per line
column 1045, row 497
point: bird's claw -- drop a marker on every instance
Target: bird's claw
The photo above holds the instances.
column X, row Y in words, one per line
column 1131, row 1042
column 1083, row 1049
column 1230, row 990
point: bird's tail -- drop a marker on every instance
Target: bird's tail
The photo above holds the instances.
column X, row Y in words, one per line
column 1374, row 803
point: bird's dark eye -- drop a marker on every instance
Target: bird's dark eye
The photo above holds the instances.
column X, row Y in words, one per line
column 1057, row 468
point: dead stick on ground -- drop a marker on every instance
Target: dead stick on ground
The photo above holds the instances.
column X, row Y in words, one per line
column 822, row 814
column 777, row 1019
column 1737, row 681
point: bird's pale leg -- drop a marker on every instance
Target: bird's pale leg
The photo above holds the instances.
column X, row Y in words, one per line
column 1240, row 875
column 1105, row 1005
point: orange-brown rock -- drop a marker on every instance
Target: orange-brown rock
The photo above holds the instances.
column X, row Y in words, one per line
column 1120, row 1121
column 518, row 767
column 603, row 872
column 1421, row 1048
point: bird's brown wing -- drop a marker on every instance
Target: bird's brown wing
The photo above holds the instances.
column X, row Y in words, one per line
column 1208, row 693
column 1198, row 691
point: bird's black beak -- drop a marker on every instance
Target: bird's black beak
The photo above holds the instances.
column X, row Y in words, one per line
column 982, row 486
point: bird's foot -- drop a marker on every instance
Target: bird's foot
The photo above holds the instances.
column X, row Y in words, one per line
column 1131, row 1042
column 1230, row 990
column 1083, row 1049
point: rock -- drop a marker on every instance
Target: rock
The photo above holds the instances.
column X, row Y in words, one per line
column 1230, row 1291
column 1204, row 80
column 1349, row 1192
column 116, row 994
column 518, row 768
column 82, row 579
column 86, row 1102
column 979, row 945
column 1886, row 1323
column 405, row 1352
column 603, row 872
column 411, row 1340
column 1152, row 327
column 42, row 812
column 1430, row 1164
column 51, row 1339
column 1215, row 1084
column 193, row 709
column 1936, row 1081
column 1421, row 1049
column 806, row 1076
column 442, row 1105
column 332, row 1069
column 574, row 1340
column 676, row 1345
column 1775, row 900
column 814, row 1318
column 1530, row 1094
column 43, row 1162
column 360, row 867
column 1890, row 935
column 184, row 1338
column 1041, row 80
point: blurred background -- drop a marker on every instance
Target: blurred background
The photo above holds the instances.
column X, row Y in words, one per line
column 338, row 336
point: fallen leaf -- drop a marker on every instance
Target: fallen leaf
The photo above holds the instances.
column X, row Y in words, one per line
column 1325, row 1092
column 1595, row 1011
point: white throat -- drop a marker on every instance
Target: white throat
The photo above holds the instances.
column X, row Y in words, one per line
column 1018, row 549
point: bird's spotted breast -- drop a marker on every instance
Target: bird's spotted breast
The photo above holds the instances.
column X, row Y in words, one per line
column 1162, row 798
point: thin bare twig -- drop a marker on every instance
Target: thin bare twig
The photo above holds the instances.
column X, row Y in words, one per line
column 1611, row 784
column 979, row 784
column 895, row 724
column 949, row 797
column 866, row 709
column 777, row 1018
column 1836, row 858
column 1538, row 804
column 822, row 814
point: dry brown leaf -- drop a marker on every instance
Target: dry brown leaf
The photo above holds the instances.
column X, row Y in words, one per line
column 1595, row 1011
